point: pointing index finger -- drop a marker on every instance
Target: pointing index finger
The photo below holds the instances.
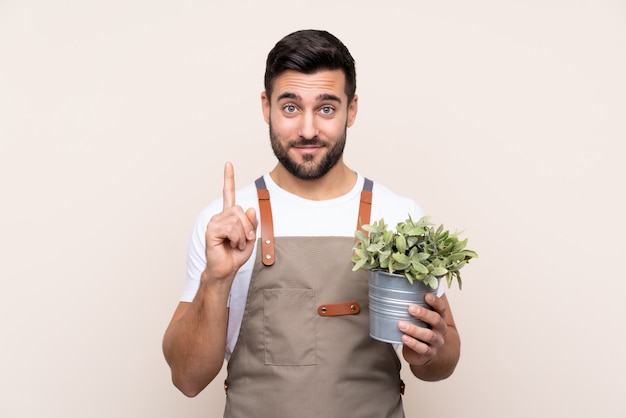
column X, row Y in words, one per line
column 229, row 185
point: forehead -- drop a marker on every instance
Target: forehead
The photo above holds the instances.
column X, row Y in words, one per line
column 306, row 85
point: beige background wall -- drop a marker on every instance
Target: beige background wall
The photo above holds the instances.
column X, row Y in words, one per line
column 502, row 118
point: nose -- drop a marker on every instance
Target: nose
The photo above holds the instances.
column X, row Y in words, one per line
column 308, row 126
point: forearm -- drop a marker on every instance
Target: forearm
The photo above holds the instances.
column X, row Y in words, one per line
column 195, row 341
column 443, row 364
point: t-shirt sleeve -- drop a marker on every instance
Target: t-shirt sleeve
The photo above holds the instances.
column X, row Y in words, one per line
column 392, row 207
column 196, row 255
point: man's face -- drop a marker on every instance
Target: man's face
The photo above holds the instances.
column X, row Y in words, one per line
column 308, row 115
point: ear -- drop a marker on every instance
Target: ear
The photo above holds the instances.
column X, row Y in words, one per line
column 265, row 106
column 353, row 107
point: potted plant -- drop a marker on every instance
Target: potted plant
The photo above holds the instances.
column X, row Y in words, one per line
column 404, row 264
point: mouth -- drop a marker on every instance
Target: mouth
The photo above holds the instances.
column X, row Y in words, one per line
column 308, row 147
column 308, row 154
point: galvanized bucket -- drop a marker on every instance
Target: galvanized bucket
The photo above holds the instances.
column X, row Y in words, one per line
column 389, row 297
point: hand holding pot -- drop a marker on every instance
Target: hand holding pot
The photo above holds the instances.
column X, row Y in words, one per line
column 424, row 346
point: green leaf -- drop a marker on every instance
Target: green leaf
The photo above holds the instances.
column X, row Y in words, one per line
column 456, row 257
column 387, row 237
column 360, row 253
column 374, row 248
column 420, row 268
column 369, row 228
column 433, row 282
column 401, row 243
column 469, row 253
column 360, row 235
column 457, row 266
column 359, row 265
column 422, row 256
column 415, row 231
column 409, row 276
column 401, row 258
column 439, row 271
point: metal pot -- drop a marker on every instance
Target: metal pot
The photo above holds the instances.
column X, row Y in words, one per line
column 389, row 298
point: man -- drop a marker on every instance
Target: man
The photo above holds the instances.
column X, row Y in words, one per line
column 258, row 277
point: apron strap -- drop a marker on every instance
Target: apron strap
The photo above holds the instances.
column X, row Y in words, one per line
column 365, row 208
column 267, row 224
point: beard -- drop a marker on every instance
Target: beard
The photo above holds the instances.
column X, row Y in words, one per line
column 309, row 169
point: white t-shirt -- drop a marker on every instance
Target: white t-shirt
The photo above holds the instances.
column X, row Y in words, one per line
column 292, row 216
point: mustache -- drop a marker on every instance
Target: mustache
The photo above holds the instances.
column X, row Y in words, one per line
column 305, row 142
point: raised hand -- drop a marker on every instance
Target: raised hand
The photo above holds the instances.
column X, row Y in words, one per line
column 230, row 235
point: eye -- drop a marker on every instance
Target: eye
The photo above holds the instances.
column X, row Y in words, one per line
column 290, row 108
column 327, row 110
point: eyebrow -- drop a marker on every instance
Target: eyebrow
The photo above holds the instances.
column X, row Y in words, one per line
column 321, row 98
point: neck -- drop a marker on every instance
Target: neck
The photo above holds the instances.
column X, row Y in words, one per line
column 337, row 182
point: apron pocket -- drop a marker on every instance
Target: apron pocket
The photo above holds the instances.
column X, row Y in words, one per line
column 289, row 317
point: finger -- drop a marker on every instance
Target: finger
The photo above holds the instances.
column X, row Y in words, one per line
column 229, row 185
column 430, row 317
column 415, row 346
column 437, row 303
column 251, row 215
column 227, row 228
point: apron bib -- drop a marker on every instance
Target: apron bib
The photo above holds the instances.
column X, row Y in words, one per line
column 304, row 348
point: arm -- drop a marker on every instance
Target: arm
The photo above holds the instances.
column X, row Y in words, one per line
column 195, row 340
column 431, row 353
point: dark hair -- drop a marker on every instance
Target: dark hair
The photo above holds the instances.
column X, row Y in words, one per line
column 309, row 51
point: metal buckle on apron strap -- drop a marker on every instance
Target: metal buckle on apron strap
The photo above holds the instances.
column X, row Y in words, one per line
column 338, row 309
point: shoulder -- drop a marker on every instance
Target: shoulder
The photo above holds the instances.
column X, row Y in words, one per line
column 393, row 207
